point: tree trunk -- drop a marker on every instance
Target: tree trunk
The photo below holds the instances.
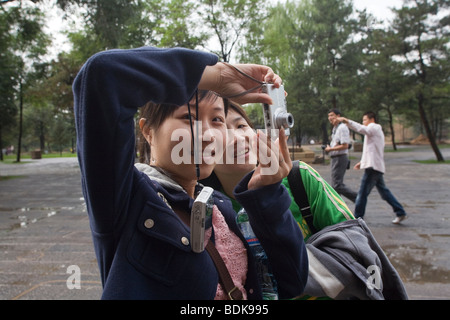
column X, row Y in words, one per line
column 428, row 130
column 391, row 126
column 324, row 133
column 1, row 144
column 19, row 144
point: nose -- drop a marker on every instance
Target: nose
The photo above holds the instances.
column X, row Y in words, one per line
column 206, row 133
column 239, row 138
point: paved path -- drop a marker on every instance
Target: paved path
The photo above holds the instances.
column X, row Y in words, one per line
column 44, row 230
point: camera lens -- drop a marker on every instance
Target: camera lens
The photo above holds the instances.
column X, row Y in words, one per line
column 284, row 119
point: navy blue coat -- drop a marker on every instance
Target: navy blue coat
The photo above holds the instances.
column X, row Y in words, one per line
column 138, row 261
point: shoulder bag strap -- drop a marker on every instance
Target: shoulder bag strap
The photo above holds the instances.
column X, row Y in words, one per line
column 225, row 278
column 300, row 196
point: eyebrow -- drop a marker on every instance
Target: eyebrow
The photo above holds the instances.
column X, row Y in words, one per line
column 236, row 119
column 218, row 108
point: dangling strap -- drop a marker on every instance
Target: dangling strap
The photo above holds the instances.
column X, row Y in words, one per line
column 225, row 278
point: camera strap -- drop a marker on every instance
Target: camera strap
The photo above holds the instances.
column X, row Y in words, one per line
column 261, row 83
column 195, row 145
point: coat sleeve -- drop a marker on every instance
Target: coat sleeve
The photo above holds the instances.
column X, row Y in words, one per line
column 108, row 90
column 279, row 234
column 362, row 129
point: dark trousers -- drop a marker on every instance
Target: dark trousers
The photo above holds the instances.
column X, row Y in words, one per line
column 338, row 168
column 370, row 179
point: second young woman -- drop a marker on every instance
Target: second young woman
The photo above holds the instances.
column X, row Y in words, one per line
column 327, row 206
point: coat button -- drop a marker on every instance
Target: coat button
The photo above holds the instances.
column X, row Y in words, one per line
column 185, row 241
column 149, row 223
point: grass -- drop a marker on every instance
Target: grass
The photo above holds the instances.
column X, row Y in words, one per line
column 432, row 162
column 390, row 149
column 12, row 157
column 4, row 178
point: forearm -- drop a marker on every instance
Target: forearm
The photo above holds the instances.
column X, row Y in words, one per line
column 279, row 234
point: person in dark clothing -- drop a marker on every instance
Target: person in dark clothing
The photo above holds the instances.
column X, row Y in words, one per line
column 137, row 211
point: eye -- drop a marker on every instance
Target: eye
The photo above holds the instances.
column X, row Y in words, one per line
column 187, row 117
column 219, row 119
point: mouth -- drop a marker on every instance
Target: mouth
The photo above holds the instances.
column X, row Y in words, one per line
column 242, row 152
column 206, row 154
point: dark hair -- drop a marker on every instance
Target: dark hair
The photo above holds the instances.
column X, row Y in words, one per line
column 156, row 113
column 335, row 111
column 370, row 115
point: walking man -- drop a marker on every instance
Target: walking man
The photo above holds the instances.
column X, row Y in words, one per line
column 338, row 150
column 373, row 162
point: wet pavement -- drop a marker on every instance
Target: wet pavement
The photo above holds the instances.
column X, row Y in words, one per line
column 46, row 249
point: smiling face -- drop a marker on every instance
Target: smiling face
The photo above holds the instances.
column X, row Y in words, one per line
column 171, row 141
column 240, row 158
column 332, row 117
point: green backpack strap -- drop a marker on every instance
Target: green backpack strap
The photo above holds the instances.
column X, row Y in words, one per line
column 300, row 196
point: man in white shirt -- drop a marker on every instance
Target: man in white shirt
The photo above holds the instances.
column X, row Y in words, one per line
column 372, row 161
column 338, row 151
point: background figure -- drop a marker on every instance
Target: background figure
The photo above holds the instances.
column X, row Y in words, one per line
column 373, row 162
column 338, row 150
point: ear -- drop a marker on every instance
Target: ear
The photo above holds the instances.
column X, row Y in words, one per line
column 146, row 131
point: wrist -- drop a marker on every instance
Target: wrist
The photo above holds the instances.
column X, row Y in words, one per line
column 211, row 77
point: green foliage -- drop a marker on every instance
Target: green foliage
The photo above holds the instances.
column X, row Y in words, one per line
column 23, row 45
column 328, row 54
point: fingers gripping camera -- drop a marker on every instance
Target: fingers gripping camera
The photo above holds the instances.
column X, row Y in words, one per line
column 276, row 116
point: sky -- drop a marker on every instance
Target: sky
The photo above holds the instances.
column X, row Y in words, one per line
column 379, row 8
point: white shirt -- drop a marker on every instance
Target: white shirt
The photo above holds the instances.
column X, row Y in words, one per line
column 373, row 149
column 340, row 135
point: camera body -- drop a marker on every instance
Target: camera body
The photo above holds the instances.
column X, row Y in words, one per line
column 276, row 115
column 201, row 218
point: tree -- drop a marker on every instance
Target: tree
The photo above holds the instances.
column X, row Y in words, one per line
column 107, row 19
column 382, row 81
column 28, row 43
column 8, row 80
column 423, row 45
column 310, row 43
column 231, row 20
column 114, row 24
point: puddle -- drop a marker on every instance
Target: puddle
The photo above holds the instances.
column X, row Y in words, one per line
column 23, row 217
column 415, row 265
column 430, row 236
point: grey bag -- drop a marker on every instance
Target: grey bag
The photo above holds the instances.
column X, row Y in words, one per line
column 346, row 262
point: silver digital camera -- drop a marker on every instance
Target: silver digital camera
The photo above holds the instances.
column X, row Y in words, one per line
column 276, row 116
column 201, row 218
